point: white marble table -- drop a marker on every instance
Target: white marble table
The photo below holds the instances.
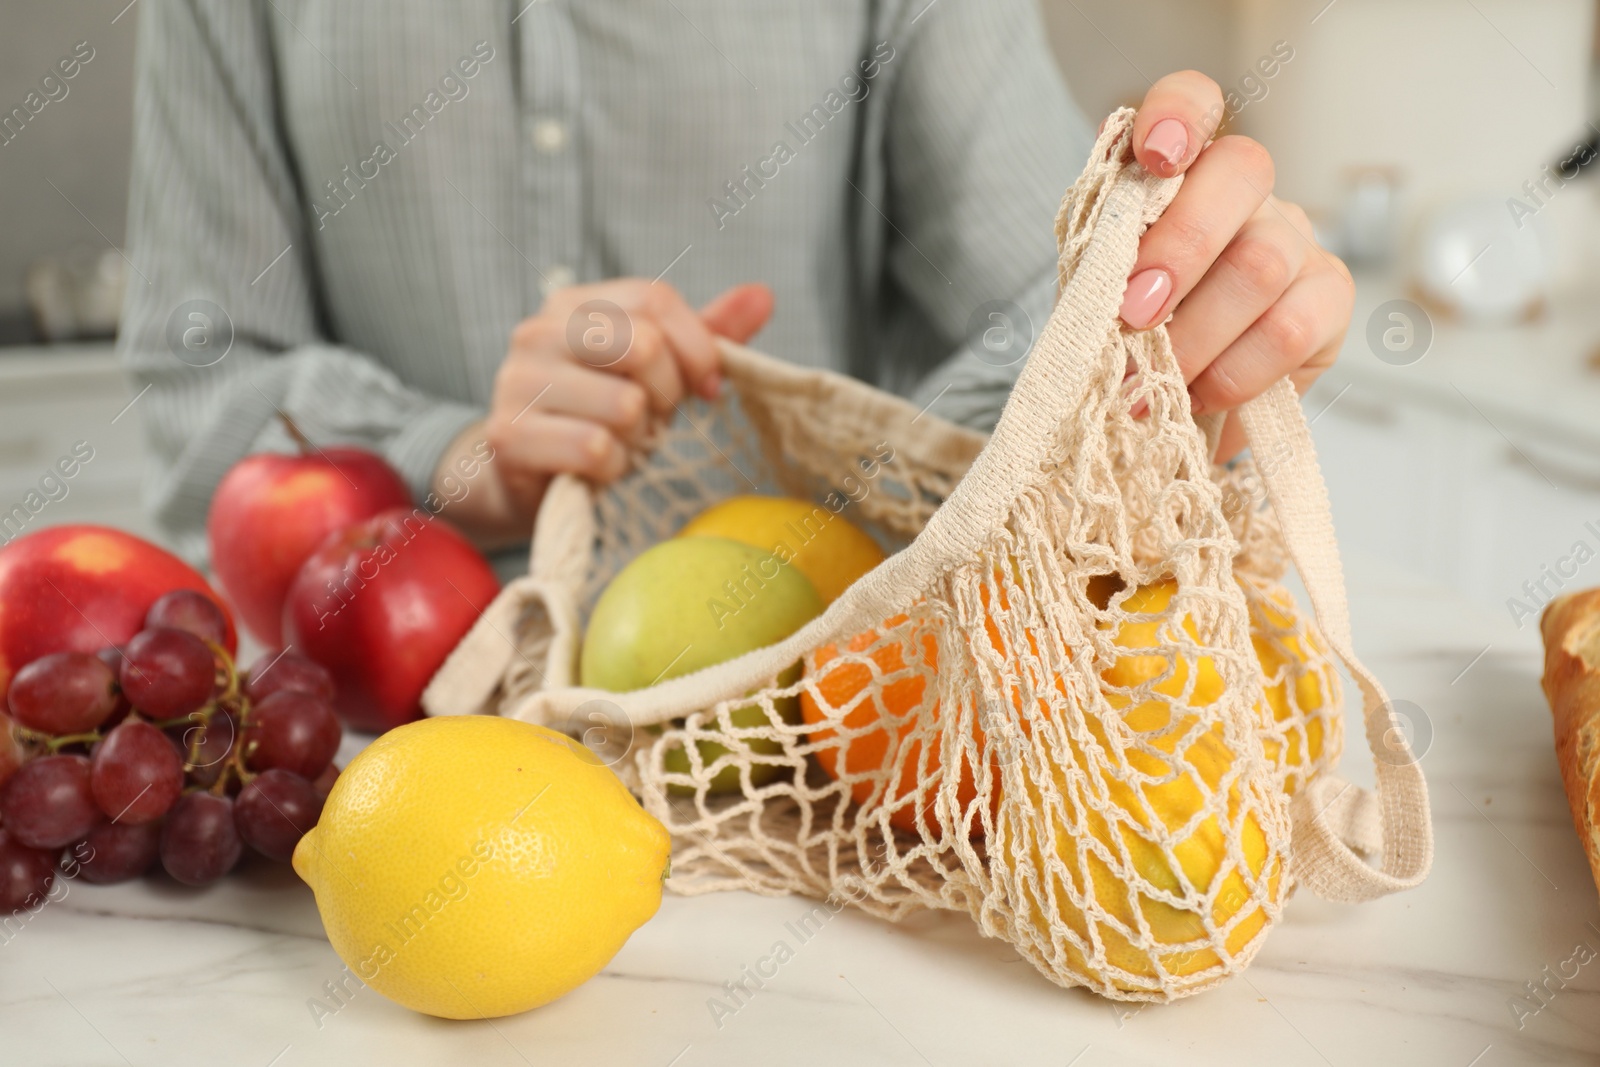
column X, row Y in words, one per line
column 150, row 973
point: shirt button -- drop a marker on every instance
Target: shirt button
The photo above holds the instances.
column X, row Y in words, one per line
column 557, row 277
column 550, row 135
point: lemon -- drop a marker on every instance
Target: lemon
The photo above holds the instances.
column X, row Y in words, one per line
column 1292, row 659
column 1136, row 823
column 473, row 866
column 1131, row 671
column 1201, row 855
column 827, row 549
column 1296, row 659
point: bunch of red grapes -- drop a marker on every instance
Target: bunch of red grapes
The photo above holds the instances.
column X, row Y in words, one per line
column 160, row 750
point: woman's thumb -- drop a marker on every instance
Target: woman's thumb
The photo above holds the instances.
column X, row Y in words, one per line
column 739, row 313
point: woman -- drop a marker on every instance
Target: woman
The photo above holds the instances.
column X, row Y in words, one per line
column 513, row 228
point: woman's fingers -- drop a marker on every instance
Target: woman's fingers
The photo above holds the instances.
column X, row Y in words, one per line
column 631, row 327
column 1251, row 296
column 625, row 326
column 693, row 349
column 538, row 445
column 1232, row 439
column 1298, row 337
column 739, row 313
column 562, row 387
column 1177, row 118
column 583, row 375
column 1224, row 189
column 1247, row 279
column 651, row 362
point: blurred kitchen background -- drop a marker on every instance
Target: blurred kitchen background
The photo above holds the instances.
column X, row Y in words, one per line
column 1440, row 145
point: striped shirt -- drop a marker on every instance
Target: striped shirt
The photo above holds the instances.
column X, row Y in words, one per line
column 341, row 208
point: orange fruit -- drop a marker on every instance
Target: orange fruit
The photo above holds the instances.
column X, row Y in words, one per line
column 849, row 685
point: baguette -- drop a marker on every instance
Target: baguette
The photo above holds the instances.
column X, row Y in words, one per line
column 1570, row 626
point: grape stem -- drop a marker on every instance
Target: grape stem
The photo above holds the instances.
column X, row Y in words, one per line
column 56, row 744
column 49, row 742
column 235, row 767
column 230, row 673
column 230, row 699
column 202, row 716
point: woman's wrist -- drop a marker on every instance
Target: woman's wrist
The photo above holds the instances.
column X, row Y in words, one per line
column 474, row 497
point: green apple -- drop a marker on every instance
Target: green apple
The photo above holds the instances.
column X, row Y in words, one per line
column 690, row 603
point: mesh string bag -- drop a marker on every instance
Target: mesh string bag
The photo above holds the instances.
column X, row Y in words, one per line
column 1075, row 702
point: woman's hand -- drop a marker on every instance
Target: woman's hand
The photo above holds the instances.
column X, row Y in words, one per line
column 1252, row 296
column 579, row 386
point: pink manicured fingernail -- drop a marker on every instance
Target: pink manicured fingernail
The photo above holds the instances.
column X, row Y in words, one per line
column 1130, row 370
column 1147, row 291
column 1168, row 139
column 1195, row 405
column 1139, row 410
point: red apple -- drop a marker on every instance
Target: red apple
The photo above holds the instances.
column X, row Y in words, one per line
column 271, row 511
column 381, row 604
column 81, row 588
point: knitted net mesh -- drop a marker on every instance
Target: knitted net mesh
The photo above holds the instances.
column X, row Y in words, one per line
column 1081, row 724
column 1083, row 736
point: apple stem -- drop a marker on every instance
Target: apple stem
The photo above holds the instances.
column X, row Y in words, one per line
column 295, row 432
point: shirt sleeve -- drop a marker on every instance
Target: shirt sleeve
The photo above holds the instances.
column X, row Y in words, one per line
column 983, row 139
column 221, row 325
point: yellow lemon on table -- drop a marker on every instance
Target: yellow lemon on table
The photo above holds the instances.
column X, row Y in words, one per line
column 473, row 866
column 827, row 549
